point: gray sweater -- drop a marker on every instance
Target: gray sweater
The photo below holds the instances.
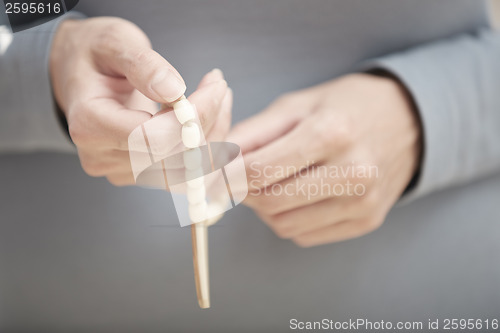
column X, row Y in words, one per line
column 443, row 51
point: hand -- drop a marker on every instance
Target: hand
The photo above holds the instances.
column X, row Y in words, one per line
column 107, row 80
column 327, row 163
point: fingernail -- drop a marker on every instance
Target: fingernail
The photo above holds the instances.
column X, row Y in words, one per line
column 217, row 72
column 168, row 85
column 214, row 75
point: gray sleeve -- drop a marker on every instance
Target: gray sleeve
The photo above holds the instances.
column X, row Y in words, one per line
column 455, row 84
column 28, row 120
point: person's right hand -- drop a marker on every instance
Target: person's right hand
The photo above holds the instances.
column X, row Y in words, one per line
column 108, row 80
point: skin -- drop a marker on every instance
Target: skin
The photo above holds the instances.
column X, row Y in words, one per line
column 349, row 123
column 106, row 78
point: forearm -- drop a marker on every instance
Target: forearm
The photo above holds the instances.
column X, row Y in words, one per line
column 28, row 120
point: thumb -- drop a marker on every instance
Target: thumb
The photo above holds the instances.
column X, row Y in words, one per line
column 128, row 53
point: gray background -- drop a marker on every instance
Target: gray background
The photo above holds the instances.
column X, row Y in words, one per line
column 80, row 255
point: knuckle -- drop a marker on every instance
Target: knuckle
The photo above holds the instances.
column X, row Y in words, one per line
column 113, row 28
column 332, row 131
column 284, row 103
column 276, row 224
column 79, row 118
column 106, row 38
column 143, row 56
column 359, row 177
column 281, row 231
column 268, row 205
column 372, row 224
column 258, row 201
column 139, row 59
column 77, row 135
column 210, row 112
column 370, row 201
column 301, row 242
column 203, row 118
column 116, row 181
column 157, row 143
column 283, row 99
column 91, row 168
column 340, row 132
column 75, row 128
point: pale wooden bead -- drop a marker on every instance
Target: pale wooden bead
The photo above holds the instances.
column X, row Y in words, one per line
column 195, row 183
column 192, row 158
column 184, row 111
column 196, row 194
column 191, row 134
column 192, row 174
column 195, row 177
column 198, row 212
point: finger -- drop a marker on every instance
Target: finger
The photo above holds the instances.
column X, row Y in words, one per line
column 284, row 157
column 163, row 130
column 338, row 232
column 311, row 185
column 270, row 124
column 103, row 123
column 99, row 163
column 344, row 182
column 121, row 179
column 127, row 52
column 308, row 218
column 314, row 140
column 222, row 125
column 137, row 101
column 207, row 101
column 158, row 176
column 213, row 76
column 159, row 137
column 291, row 193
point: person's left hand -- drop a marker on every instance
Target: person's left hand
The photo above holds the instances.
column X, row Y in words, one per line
column 327, row 163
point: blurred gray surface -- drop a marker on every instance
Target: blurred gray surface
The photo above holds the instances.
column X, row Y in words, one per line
column 78, row 255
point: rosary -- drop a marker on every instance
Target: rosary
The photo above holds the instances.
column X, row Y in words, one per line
column 205, row 179
column 196, row 196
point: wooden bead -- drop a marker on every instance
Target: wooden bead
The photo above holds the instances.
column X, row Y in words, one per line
column 192, row 158
column 196, row 194
column 195, row 177
column 195, row 183
column 191, row 134
column 184, row 111
column 192, row 174
column 198, row 212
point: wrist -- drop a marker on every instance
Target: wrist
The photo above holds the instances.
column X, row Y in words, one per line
column 402, row 97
